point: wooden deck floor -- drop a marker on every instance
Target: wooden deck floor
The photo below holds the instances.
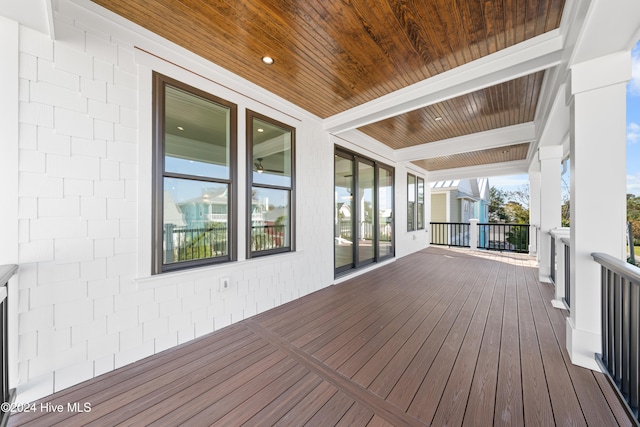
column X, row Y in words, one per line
column 441, row 337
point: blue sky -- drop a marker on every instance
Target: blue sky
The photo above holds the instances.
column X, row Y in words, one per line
column 633, row 136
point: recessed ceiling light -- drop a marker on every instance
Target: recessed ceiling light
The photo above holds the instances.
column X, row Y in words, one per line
column 180, row 128
column 268, row 60
column 437, row 119
column 260, row 130
column 505, row 151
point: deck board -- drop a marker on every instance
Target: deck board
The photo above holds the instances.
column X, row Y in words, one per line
column 535, row 393
column 440, row 337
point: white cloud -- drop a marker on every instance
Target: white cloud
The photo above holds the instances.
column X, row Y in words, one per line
column 633, row 133
column 634, row 83
column 633, row 184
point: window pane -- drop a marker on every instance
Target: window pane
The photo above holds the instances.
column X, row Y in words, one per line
column 411, row 188
column 343, row 194
column 270, row 219
column 197, row 135
column 411, row 202
column 195, row 220
column 385, row 212
column 366, row 202
column 271, row 154
column 420, row 213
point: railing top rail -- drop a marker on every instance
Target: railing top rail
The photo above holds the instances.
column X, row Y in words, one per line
column 624, row 269
column 560, row 231
column 454, row 223
column 504, row 223
column 6, row 271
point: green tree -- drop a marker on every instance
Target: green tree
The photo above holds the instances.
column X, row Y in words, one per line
column 516, row 213
column 497, row 200
column 509, row 206
column 633, row 216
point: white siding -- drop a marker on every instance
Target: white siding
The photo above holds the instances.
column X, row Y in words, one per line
column 87, row 302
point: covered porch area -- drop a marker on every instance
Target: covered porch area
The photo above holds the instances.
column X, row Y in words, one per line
column 445, row 336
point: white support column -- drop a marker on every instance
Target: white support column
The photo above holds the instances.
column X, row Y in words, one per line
column 534, row 212
column 473, row 234
column 597, row 100
column 550, row 196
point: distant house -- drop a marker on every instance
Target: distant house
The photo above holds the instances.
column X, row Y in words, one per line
column 460, row 200
column 208, row 208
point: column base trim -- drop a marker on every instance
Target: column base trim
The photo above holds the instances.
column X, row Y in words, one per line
column 559, row 303
column 582, row 346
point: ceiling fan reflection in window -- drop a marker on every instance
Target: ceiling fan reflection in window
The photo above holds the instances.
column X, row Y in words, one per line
column 259, row 167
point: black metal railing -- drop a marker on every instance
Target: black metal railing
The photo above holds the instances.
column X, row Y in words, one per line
column 450, row 234
column 620, row 321
column 504, row 237
column 365, row 230
column 567, row 271
column 6, row 272
column 266, row 237
column 184, row 244
column 552, row 260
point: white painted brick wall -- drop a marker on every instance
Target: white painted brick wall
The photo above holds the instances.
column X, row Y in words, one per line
column 28, row 137
column 52, row 142
column 28, row 67
column 85, row 309
column 58, row 96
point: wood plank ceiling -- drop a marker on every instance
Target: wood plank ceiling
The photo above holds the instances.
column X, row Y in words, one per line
column 331, row 56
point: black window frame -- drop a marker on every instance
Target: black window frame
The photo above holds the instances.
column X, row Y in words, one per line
column 160, row 82
column 415, row 215
column 250, row 116
column 420, row 213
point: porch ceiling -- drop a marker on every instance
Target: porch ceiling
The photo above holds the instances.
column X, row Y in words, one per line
column 344, row 60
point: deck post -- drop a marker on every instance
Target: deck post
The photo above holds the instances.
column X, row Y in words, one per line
column 597, row 99
column 550, row 195
column 473, row 234
column 534, row 212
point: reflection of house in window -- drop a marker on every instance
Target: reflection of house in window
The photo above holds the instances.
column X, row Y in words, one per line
column 207, row 209
column 172, row 213
column 343, row 231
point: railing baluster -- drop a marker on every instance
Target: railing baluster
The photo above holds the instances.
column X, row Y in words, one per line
column 625, row 337
column 633, row 345
column 620, row 358
column 611, row 320
column 617, row 330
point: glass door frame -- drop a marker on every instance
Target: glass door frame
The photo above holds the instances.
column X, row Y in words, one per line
column 355, row 158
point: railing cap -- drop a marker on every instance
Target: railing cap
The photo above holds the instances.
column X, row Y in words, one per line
column 566, row 241
column 560, row 231
column 624, row 269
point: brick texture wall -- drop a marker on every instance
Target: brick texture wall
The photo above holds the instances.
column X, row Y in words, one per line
column 85, row 308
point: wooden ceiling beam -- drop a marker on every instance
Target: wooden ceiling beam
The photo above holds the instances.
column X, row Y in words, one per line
column 501, row 137
column 536, row 54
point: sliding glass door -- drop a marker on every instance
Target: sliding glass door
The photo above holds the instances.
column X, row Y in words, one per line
column 343, row 207
column 365, row 200
column 363, row 211
column 385, row 212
